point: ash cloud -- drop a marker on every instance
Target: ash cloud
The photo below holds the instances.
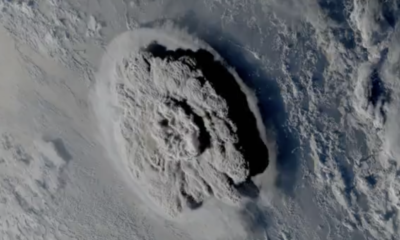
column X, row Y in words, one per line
column 187, row 128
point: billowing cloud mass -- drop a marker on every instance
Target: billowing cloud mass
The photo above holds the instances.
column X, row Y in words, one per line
column 185, row 127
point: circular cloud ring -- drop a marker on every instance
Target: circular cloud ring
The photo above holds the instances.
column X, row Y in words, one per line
column 106, row 100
